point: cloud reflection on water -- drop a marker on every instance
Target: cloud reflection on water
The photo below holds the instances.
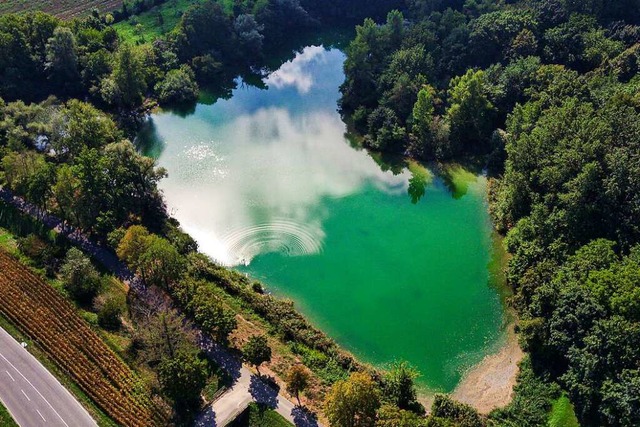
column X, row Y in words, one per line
column 266, row 183
column 298, row 72
column 249, row 174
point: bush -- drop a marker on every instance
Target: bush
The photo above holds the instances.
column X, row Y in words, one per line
column 462, row 415
column 178, row 87
column 109, row 315
column 80, row 278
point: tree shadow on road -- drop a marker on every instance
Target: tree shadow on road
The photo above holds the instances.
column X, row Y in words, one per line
column 207, row 418
column 226, row 360
column 302, row 417
column 263, row 392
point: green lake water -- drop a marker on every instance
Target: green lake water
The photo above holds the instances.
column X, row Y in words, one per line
column 393, row 263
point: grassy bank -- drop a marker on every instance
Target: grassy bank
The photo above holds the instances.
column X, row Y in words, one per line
column 153, row 23
column 256, row 415
column 5, row 417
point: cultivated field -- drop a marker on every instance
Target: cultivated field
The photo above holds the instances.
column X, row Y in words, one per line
column 65, row 9
column 49, row 319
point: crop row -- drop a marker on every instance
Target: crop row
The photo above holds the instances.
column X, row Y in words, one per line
column 42, row 313
column 65, row 9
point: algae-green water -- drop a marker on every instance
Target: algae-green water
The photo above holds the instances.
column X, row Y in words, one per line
column 391, row 262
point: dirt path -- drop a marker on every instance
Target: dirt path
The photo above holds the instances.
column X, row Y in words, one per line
column 489, row 384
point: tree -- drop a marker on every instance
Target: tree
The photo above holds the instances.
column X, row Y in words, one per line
column 211, row 314
column 64, row 193
column 422, row 122
column 385, row 132
column 178, row 86
column 249, row 34
column 62, row 58
column 80, row 277
column 161, row 262
column 127, row 84
column 297, row 380
column 444, row 407
column 392, row 416
column 20, row 169
column 399, row 385
column 257, row 351
column 470, row 111
column 110, row 312
column 205, row 28
column 134, row 243
column 353, row 402
column 395, row 27
column 423, row 111
column 80, row 125
column 163, row 333
column 182, row 377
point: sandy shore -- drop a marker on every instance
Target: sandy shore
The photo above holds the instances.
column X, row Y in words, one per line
column 489, row 384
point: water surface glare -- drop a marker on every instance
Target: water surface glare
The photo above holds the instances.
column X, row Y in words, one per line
column 391, row 265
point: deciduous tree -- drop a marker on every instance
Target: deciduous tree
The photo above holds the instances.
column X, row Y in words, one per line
column 353, row 402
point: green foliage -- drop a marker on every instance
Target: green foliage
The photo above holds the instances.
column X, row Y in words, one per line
column 431, row 133
column 161, row 264
column 460, row 414
column 256, row 350
column 209, row 312
column 297, row 380
column 80, row 277
column 353, row 402
column 562, row 414
column 155, row 258
column 398, row 385
column 178, row 86
column 127, row 85
column 110, row 313
column 392, row 416
column 470, row 112
column 259, row 416
column 501, row 33
column 182, row 378
column 5, row 417
column 327, row 368
column 532, row 401
column 62, row 58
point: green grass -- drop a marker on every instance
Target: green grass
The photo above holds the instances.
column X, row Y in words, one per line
column 8, row 242
column 259, row 416
column 562, row 414
column 147, row 26
column 5, row 418
column 157, row 21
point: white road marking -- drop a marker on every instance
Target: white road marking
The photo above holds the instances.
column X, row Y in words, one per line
column 40, row 394
column 25, row 395
column 41, row 416
column 10, row 376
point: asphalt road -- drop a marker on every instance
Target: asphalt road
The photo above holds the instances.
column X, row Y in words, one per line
column 246, row 388
column 32, row 395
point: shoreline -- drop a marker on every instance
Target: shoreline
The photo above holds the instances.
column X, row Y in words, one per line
column 489, row 384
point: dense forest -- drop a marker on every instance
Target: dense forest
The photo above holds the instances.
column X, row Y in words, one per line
column 545, row 93
column 549, row 92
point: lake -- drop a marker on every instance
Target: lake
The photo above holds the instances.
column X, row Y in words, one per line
column 393, row 262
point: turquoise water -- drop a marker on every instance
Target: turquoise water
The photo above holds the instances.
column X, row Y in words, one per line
column 390, row 262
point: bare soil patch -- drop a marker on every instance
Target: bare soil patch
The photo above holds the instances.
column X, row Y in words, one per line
column 489, row 384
